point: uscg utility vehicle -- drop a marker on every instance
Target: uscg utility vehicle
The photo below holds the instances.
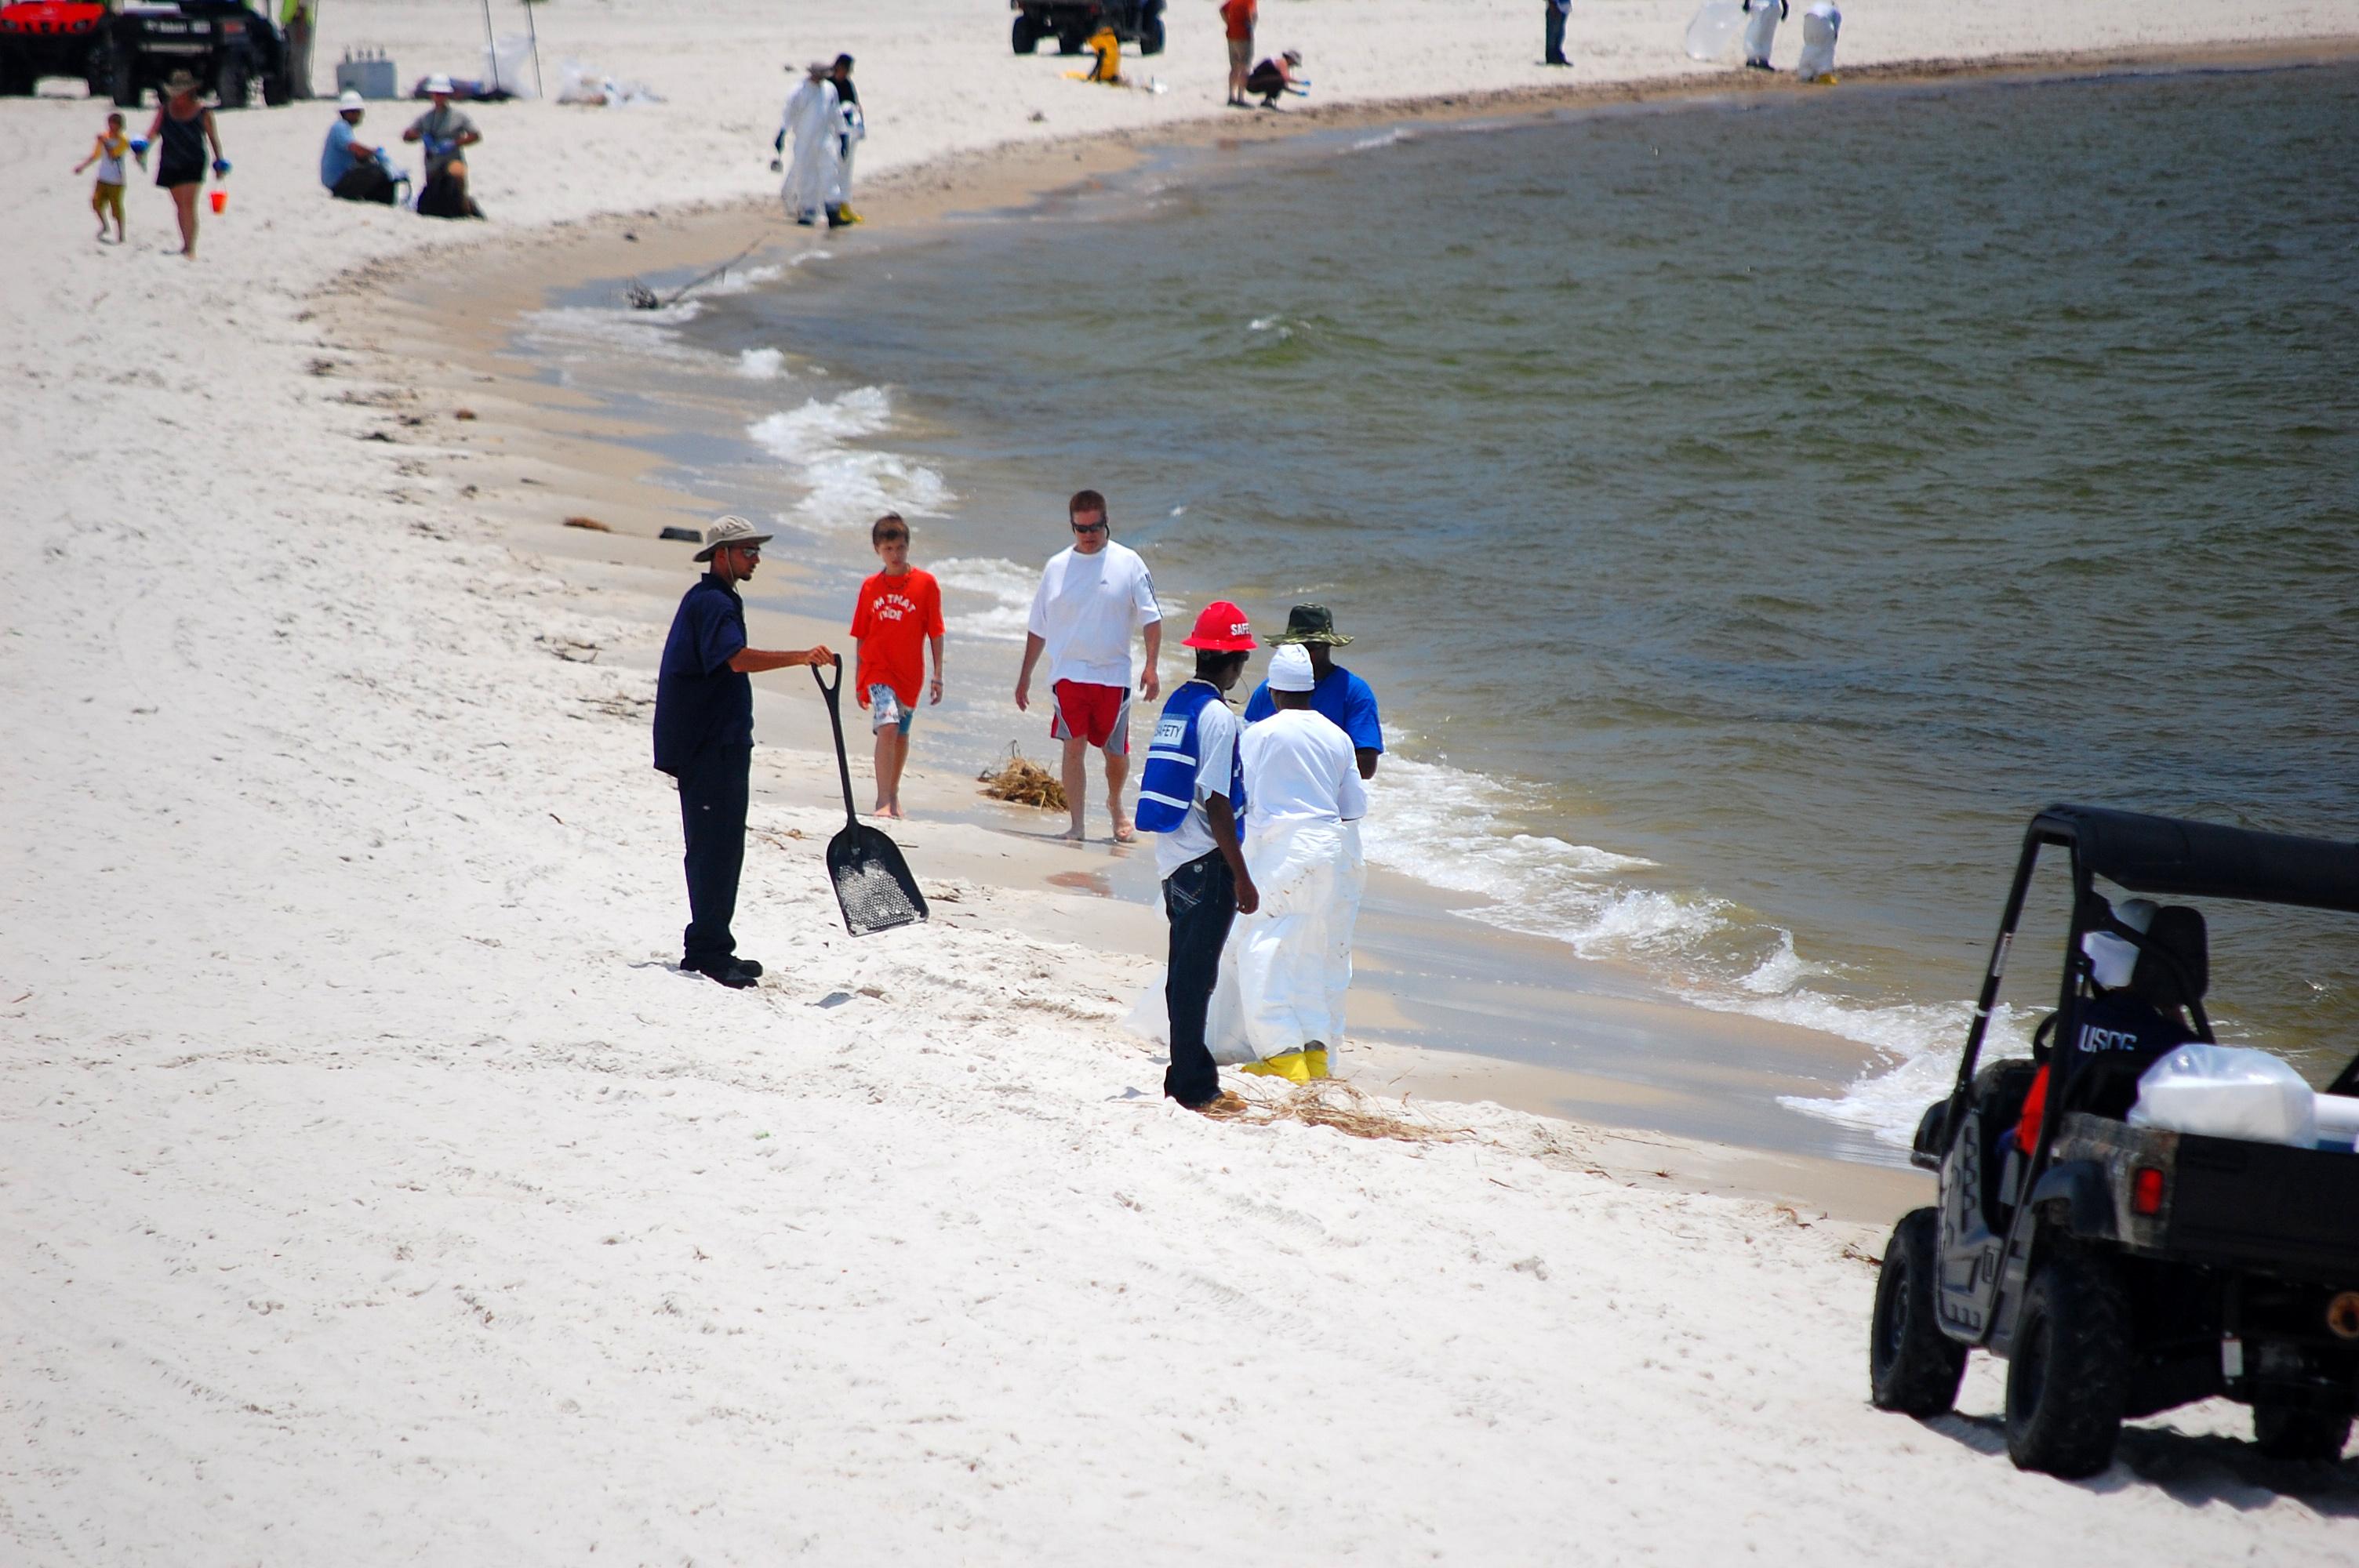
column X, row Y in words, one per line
column 2206, row 1246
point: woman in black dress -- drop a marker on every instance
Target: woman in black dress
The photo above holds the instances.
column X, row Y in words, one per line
column 182, row 129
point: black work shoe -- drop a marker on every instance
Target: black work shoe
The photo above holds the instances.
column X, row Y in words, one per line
column 736, row 975
column 751, row 967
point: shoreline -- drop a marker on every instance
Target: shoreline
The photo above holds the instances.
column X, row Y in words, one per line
column 370, row 1180
column 477, row 327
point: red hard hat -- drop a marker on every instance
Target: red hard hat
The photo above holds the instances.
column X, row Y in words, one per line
column 1222, row 627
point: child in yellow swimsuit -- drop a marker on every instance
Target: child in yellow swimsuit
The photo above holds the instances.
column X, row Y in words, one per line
column 106, row 196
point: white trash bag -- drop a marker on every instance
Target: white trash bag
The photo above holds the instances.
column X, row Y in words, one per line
column 1713, row 34
column 2225, row 1091
column 507, row 65
column 1821, row 23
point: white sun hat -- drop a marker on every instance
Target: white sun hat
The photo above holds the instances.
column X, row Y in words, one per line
column 438, row 82
column 729, row 530
column 348, row 101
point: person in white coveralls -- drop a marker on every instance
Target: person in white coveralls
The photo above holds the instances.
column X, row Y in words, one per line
column 1303, row 784
column 814, row 118
column 1821, row 25
column 1761, row 30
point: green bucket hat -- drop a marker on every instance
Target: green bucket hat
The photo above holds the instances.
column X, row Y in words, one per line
column 1309, row 623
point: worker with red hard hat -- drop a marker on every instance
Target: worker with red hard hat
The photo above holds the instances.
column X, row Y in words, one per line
column 1191, row 797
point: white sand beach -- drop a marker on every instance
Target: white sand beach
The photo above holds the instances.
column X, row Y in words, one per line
column 371, row 1188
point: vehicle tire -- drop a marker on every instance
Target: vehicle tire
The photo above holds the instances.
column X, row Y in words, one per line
column 1070, row 43
column 1912, row 1366
column 1025, row 35
column 14, row 83
column 277, row 89
column 1150, row 35
column 122, row 82
column 2287, row 1433
column 230, row 82
column 2069, row 1379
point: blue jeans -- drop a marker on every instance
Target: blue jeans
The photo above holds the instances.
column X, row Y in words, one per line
column 1554, row 51
column 1200, row 898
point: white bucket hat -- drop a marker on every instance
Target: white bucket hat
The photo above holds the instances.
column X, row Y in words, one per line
column 1290, row 669
column 726, row 530
column 347, row 101
column 438, row 82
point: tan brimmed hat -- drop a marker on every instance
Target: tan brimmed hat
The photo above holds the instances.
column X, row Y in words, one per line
column 727, row 531
column 179, row 82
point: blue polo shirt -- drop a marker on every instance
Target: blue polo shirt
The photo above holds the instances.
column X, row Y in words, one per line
column 1343, row 698
column 701, row 702
column 337, row 158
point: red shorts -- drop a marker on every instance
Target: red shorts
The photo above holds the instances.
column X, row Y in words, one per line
column 1098, row 714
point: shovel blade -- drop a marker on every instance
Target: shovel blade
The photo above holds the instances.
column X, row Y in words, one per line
column 873, row 883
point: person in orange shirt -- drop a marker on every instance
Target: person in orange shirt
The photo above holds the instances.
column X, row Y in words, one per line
column 900, row 610
column 1238, row 17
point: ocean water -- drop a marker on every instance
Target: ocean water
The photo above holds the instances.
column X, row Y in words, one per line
column 1749, row 512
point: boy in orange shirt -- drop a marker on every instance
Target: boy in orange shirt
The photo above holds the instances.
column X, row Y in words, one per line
column 900, row 610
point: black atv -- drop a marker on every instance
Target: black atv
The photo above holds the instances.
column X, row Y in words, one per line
column 2122, row 1271
column 226, row 44
column 1073, row 23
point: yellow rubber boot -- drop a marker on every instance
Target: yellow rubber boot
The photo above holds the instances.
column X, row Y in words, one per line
column 1314, row 1057
column 1291, row 1065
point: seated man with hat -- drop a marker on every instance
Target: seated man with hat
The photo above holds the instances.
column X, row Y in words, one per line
column 349, row 167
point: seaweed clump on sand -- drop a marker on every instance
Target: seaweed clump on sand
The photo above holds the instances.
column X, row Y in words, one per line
column 1025, row 783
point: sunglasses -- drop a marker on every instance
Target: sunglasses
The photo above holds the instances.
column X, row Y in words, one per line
column 1089, row 527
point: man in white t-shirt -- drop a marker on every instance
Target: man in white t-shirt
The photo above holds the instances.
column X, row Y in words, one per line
column 1091, row 598
column 1303, row 784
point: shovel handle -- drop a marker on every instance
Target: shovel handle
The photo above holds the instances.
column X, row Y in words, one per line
column 835, row 723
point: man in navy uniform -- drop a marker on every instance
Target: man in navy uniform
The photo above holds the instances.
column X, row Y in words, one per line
column 704, row 738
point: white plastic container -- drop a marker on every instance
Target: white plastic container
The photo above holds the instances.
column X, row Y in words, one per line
column 2225, row 1091
column 2337, row 1121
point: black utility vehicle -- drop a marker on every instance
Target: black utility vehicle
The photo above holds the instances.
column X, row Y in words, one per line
column 2120, row 1269
column 224, row 44
column 1072, row 23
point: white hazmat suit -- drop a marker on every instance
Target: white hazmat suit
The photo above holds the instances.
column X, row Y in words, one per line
column 814, row 119
column 1761, row 28
column 1821, row 23
column 1293, row 955
column 852, row 130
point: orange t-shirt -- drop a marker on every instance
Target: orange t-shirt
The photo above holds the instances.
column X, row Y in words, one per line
column 1239, row 15
column 893, row 617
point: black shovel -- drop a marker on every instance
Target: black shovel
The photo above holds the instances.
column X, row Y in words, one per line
column 872, row 881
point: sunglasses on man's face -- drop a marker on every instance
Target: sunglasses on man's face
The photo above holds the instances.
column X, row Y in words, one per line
column 1089, row 527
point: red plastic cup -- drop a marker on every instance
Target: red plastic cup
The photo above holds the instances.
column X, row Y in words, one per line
column 221, row 200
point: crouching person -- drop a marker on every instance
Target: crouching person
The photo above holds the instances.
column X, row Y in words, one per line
column 1294, row 962
column 1192, row 797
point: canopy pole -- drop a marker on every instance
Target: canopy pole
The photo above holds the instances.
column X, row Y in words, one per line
column 533, row 27
column 491, row 46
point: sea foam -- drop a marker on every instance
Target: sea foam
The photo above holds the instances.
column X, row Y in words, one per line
column 847, row 486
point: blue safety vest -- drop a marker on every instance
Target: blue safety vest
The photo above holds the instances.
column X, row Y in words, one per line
column 1168, row 788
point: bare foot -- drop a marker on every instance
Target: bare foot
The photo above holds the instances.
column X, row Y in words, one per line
column 1124, row 833
column 1073, row 834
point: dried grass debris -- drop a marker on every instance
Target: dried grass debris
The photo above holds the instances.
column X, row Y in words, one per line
column 590, row 522
column 1023, row 782
column 1331, row 1102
